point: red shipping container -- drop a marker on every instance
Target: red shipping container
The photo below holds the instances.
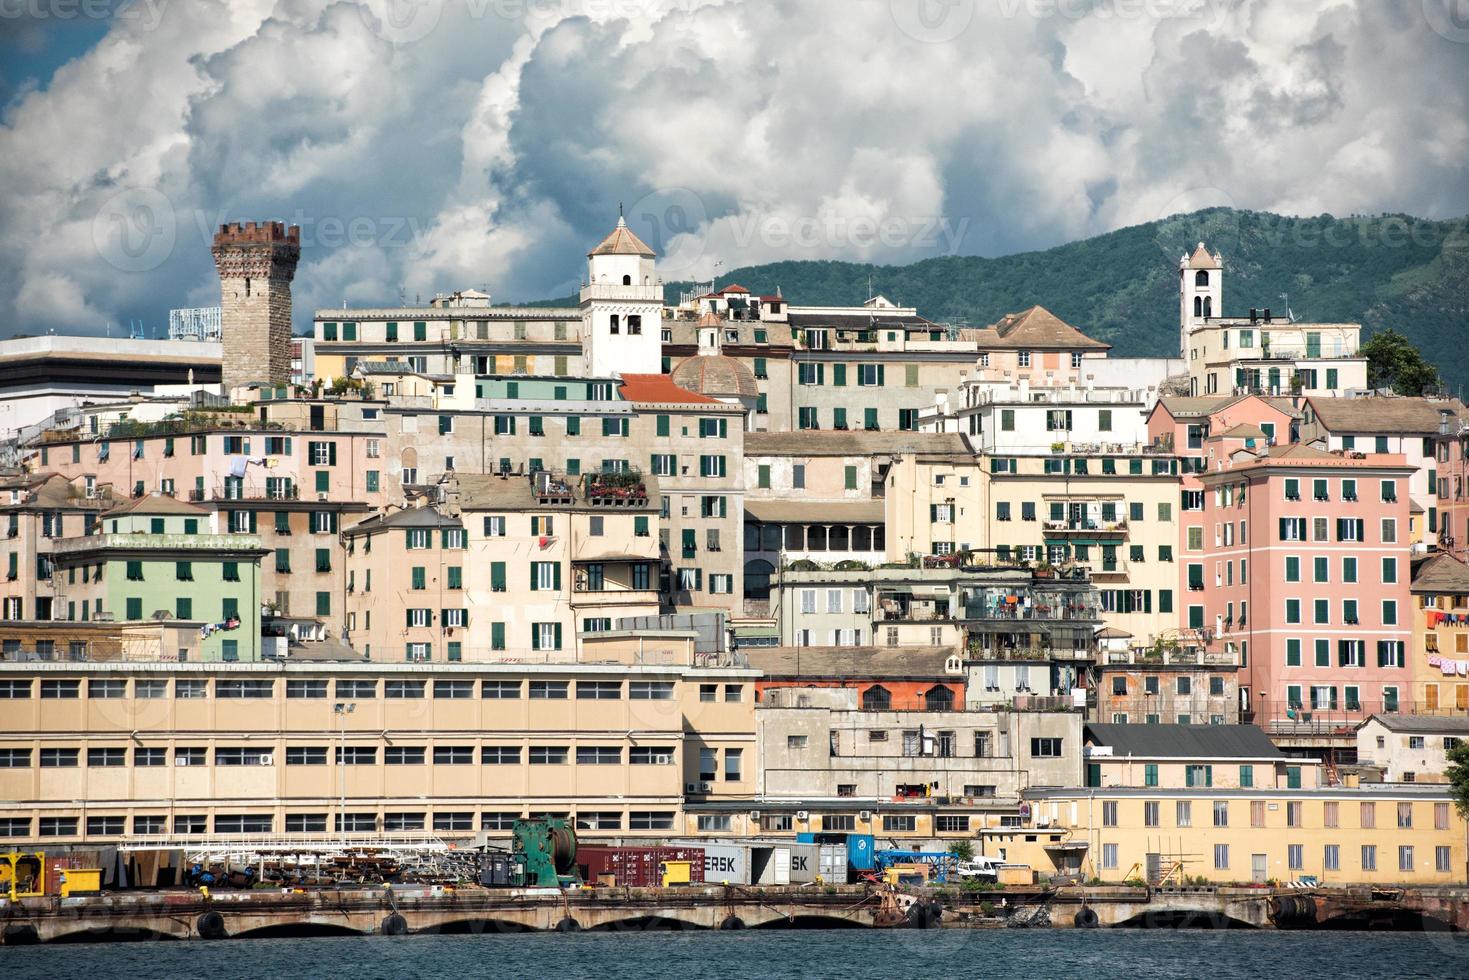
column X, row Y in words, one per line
column 636, row 867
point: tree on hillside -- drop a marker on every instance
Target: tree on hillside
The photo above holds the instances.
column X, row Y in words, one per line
column 1458, row 774
column 1393, row 362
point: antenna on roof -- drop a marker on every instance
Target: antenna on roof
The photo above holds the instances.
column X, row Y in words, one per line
column 619, row 209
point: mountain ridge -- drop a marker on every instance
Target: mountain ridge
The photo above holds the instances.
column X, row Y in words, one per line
column 1382, row 271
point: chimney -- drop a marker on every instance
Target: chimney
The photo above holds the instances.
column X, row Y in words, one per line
column 1267, row 314
column 1254, row 314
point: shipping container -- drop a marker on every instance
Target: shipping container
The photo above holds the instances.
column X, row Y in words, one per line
column 770, row 864
column 860, row 853
column 806, row 863
column 636, row 867
column 832, row 865
column 727, row 864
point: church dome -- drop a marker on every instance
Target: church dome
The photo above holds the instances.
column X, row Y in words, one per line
column 716, row 376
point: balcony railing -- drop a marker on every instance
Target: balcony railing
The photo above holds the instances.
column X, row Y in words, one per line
column 1087, row 527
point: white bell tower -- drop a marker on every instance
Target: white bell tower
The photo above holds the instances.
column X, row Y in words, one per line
column 622, row 307
column 1200, row 292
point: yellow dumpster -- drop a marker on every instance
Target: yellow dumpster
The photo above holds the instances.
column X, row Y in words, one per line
column 81, row 881
column 676, row 872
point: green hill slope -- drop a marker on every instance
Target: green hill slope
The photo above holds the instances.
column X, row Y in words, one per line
column 1121, row 287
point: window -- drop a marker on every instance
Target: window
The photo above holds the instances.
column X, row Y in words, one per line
column 1109, row 857
column 1045, row 748
column 898, row 823
column 548, row 690
column 1221, row 813
column 548, row 755
column 650, row 690
column 1221, row 857
column 1150, row 813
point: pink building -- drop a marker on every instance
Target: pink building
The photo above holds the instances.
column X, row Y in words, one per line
column 1201, row 430
column 1306, row 574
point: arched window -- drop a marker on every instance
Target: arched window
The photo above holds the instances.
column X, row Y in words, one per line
column 939, row 699
column 1208, row 306
column 757, row 579
column 1201, row 278
column 627, row 280
column 1198, row 307
column 615, row 322
column 876, row 698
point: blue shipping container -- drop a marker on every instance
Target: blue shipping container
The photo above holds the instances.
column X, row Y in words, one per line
column 860, row 851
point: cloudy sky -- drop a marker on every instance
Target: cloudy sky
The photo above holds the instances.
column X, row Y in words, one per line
column 428, row 145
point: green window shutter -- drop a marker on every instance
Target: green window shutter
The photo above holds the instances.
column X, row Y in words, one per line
column 420, row 577
column 880, row 375
column 497, row 636
column 408, row 617
column 497, row 576
column 134, row 608
column 456, row 577
column 640, row 525
column 556, row 578
column 230, row 608
column 663, row 425
column 323, row 603
column 838, row 374
column 183, row 608
column 323, row 481
column 535, row 637
column 851, row 477
column 558, row 637
column 764, row 480
column 534, row 585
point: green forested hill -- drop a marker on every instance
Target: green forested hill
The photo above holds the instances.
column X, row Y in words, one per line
column 1382, row 271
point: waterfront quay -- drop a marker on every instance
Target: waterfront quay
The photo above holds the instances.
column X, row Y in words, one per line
column 199, row 915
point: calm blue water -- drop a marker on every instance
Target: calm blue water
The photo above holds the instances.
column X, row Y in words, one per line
column 893, row 955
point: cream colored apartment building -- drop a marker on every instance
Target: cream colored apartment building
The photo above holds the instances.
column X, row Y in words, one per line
column 99, row 752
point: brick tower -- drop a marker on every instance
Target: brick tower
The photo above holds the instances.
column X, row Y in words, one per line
column 256, row 262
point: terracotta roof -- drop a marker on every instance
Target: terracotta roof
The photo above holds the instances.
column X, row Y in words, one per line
column 1201, row 259
column 854, row 662
column 1441, row 573
column 1035, row 328
column 715, row 374
column 1385, row 414
column 837, row 442
column 622, row 242
column 1245, row 431
column 660, row 389
column 156, row 503
column 731, row 288
column 407, row 517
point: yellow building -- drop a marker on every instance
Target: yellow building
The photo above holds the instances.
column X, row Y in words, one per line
column 1388, row 833
column 1115, row 514
column 100, row 752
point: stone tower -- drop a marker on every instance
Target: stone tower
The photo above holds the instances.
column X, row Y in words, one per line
column 256, row 262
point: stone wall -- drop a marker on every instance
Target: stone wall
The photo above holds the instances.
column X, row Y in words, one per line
column 256, row 263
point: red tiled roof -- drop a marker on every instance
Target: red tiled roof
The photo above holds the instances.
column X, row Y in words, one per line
column 660, row 389
column 733, row 288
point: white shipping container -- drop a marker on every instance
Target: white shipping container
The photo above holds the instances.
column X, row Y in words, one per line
column 833, row 864
column 805, row 862
column 772, row 865
column 726, row 864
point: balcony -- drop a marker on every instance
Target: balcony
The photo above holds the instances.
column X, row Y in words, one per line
column 1164, row 658
column 649, row 292
column 248, row 491
column 582, row 598
column 616, row 490
column 1118, row 527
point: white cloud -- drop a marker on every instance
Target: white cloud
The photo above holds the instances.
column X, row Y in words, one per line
column 487, row 142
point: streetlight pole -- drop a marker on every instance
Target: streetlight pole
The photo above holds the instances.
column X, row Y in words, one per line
column 342, row 709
